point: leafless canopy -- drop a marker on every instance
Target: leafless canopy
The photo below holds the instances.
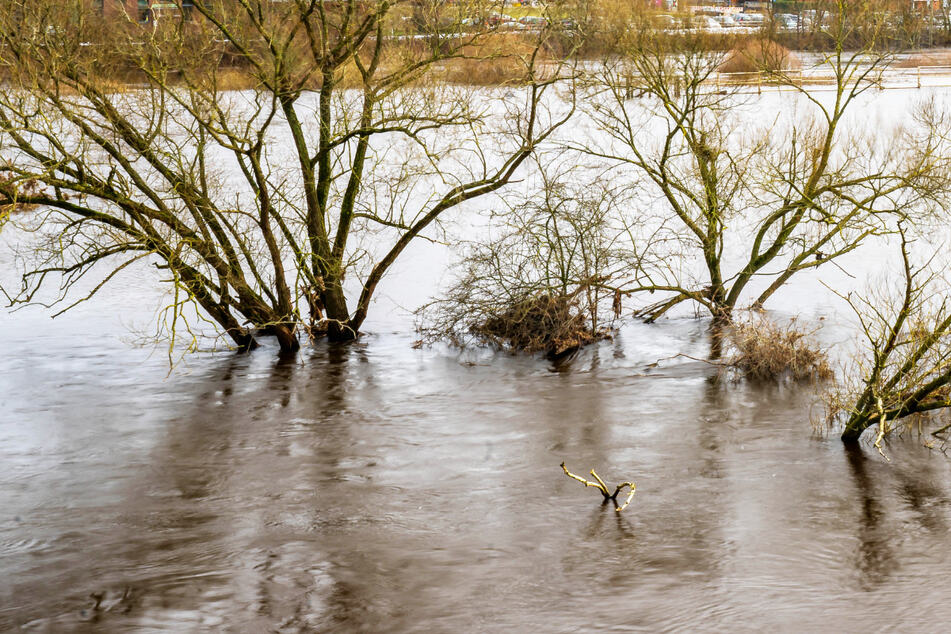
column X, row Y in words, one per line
column 258, row 202
column 721, row 177
column 903, row 367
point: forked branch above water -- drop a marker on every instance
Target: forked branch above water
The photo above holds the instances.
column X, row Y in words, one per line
column 603, row 488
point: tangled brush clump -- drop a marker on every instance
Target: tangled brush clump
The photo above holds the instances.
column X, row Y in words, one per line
column 545, row 282
column 766, row 351
column 546, row 323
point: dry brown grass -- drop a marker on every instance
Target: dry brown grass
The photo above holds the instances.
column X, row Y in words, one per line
column 492, row 60
column 543, row 323
column 931, row 58
column 235, row 78
column 766, row 351
column 756, row 55
column 497, row 60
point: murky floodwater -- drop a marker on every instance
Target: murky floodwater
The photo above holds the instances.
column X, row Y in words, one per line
column 373, row 487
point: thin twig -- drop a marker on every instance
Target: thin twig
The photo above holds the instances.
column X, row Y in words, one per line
column 630, row 495
column 587, row 483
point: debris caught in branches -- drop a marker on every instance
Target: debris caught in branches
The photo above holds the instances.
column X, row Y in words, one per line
column 543, row 323
column 603, row 488
column 12, row 189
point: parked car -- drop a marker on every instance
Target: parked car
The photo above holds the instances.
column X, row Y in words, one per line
column 787, row 21
column 533, row 22
column 705, row 23
column 501, row 21
column 664, row 21
column 725, row 21
column 749, row 19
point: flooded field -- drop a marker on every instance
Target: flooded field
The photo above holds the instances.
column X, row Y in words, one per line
column 377, row 487
column 373, row 487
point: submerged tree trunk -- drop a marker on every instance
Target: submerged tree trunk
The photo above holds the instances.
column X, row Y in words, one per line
column 854, row 429
column 717, row 335
column 244, row 341
column 339, row 324
column 287, row 337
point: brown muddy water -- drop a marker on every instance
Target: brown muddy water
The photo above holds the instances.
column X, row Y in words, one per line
column 378, row 488
column 373, row 487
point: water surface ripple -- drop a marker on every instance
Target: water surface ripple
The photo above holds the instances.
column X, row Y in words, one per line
column 373, row 487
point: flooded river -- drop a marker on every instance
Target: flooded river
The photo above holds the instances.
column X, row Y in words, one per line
column 373, row 487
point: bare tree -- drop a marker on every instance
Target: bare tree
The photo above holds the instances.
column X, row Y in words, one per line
column 726, row 202
column 259, row 202
column 903, row 366
column 542, row 278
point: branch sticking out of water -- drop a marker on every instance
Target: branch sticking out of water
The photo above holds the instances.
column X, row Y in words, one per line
column 882, row 429
column 603, row 488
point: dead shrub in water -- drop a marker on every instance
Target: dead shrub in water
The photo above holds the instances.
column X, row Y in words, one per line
column 766, row 351
column 757, row 55
column 543, row 283
column 554, row 325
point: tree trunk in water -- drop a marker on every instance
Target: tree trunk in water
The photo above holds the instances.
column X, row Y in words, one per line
column 722, row 319
column 287, row 338
column 716, row 339
column 337, row 331
column 242, row 339
column 853, row 430
column 722, row 309
column 339, row 324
